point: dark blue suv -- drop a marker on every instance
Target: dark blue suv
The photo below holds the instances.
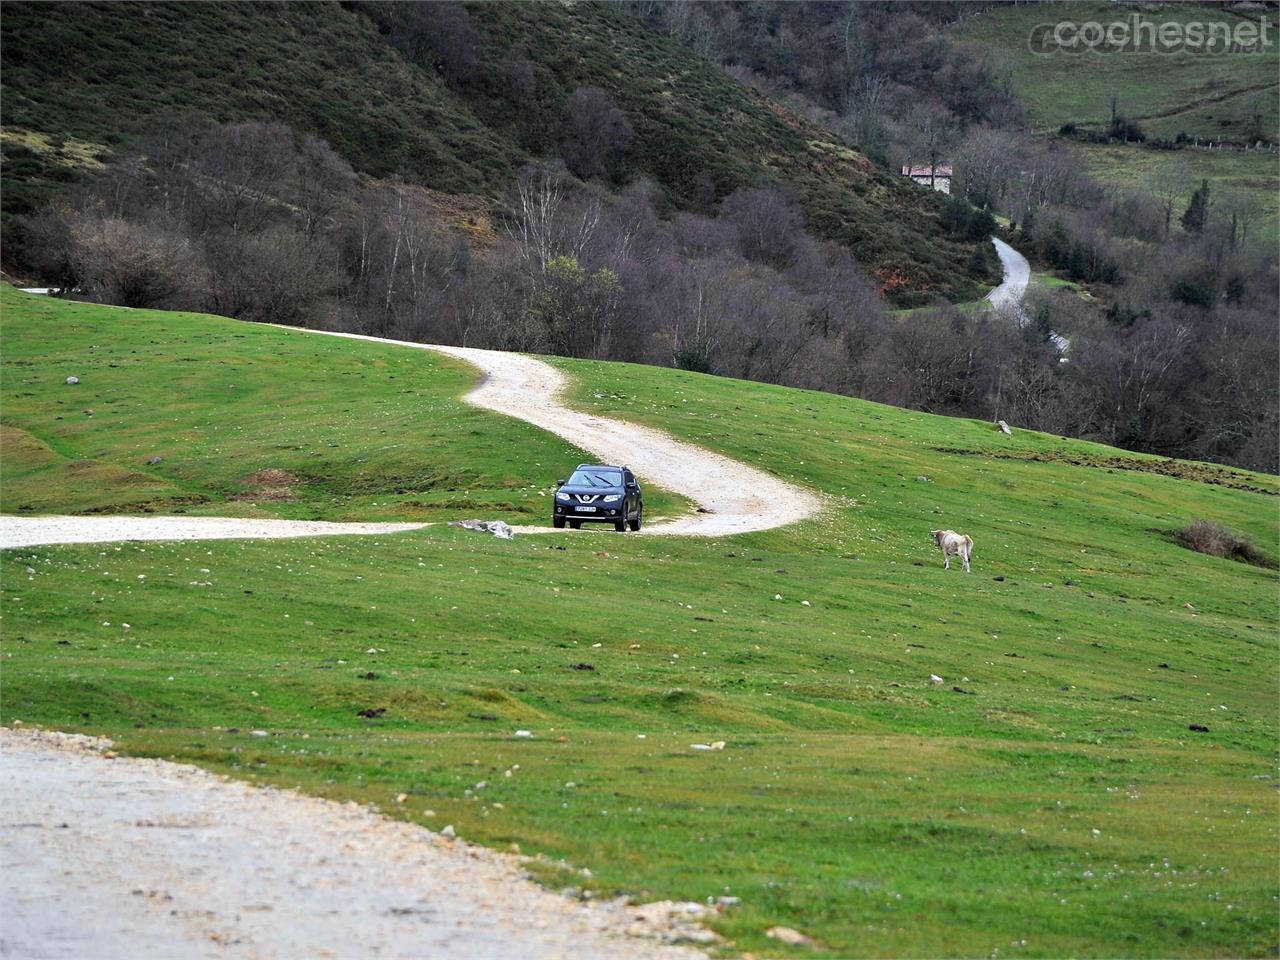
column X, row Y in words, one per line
column 598, row 493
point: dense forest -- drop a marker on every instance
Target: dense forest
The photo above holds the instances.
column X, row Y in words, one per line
column 1168, row 307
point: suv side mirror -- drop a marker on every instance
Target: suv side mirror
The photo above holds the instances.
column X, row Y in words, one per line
column 561, row 483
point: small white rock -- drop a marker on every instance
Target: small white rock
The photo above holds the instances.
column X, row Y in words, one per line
column 448, row 832
column 524, row 734
column 935, row 679
column 72, row 381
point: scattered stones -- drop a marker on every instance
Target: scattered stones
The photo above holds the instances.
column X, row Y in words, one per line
column 448, row 832
column 935, row 679
column 792, row 938
column 1198, row 727
column 154, row 460
column 717, row 745
column 498, row 528
column 1004, row 428
column 72, row 381
column 524, row 734
column 370, row 713
column 1001, row 580
column 257, row 733
column 582, row 666
column 671, row 920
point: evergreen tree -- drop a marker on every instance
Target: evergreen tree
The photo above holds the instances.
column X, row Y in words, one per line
column 1197, row 212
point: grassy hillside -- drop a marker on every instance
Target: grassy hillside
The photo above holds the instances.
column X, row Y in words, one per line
column 1048, row 798
column 322, row 68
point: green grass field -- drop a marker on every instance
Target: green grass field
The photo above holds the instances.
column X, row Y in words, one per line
column 1209, row 96
column 1048, row 799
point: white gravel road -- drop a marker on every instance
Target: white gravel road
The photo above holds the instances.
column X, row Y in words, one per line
column 32, row 531
column 731, row 497
column 135, row 859
column 1017, row 274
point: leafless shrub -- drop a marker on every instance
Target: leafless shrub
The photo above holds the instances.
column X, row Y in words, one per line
column 134, row 265
column 1205, row 536
column 770, row 225
column 595, row 133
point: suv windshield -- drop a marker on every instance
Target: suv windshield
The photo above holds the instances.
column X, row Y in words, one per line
column 595, row 478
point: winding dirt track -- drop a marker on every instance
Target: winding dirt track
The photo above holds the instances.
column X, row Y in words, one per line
column 1017, row 274
column 731, row 497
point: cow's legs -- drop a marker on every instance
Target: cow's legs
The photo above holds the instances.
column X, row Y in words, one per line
column 965, row 557
column 946, row 560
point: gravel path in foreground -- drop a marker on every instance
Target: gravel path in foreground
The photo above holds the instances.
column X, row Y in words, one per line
column 132, row 858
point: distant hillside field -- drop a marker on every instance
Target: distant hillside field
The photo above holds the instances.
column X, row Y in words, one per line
column 1093, row 775
column 1233, row 97
column 1207, row 96
column 121, row 68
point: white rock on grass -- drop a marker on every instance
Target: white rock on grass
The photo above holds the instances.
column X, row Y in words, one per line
column 935, row 679
column 72, row 381
column 792, row 938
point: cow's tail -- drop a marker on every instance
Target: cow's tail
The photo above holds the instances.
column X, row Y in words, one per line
column 968, row 544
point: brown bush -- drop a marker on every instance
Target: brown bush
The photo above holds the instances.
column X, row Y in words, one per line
column 1205, row 536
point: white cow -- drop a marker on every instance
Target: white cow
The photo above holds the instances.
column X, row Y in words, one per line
column 953, row 543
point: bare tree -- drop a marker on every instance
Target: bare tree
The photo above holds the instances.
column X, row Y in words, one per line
column 770, row 225
column 595, row 133
column 547, row 224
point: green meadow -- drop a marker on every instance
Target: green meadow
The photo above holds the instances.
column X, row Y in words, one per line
column 1232, row 96
column 1048, row 798
column 1210, row 96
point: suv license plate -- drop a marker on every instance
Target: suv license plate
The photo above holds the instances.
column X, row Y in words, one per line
column 586, row 509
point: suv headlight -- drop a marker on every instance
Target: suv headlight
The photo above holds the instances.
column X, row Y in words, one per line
column 611, row 497
column 562, row 496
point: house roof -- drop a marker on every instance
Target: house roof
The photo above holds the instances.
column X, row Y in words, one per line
column 923, row 170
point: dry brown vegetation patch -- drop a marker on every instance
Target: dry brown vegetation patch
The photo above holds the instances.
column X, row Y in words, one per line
column 270, row 484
